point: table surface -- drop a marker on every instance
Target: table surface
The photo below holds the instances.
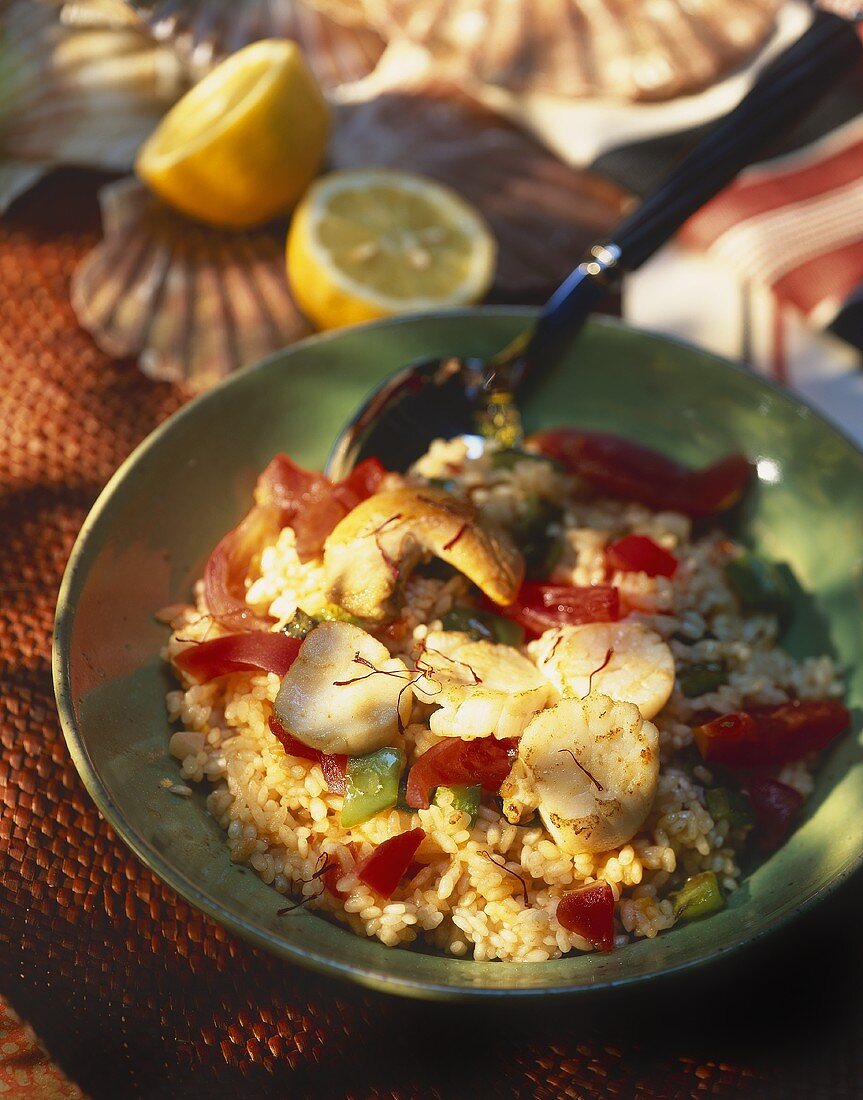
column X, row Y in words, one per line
column 135, row 994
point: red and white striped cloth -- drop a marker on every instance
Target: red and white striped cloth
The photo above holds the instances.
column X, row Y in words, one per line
column 794, row 225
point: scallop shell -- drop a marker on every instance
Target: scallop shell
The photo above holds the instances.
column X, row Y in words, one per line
column 625, row 49
column 83, row 83
column 194, row 303
column 544, row 213
column 338, row 50
column 17, row 178
column 352, row 13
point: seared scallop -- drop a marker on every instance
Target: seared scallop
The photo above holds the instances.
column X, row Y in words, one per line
column 344, row 693
column 627, row 661
column 590, row 766
column 375, row 547
column 481, row 689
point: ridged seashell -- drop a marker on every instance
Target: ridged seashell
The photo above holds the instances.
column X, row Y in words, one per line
column 83, row 83
column 543, row 213
column 350, row 12
column 626, row 49
column 15, row 179
column 204, row 31
column 194, row 303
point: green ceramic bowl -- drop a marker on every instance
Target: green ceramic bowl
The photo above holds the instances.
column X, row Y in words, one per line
column 149, row 535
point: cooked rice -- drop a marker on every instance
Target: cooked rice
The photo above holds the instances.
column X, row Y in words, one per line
column 280, row 819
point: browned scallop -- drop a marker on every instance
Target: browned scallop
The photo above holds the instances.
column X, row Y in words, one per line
column 590, row 766
column 377, row 545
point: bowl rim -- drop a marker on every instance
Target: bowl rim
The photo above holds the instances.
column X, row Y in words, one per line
column 368, row 976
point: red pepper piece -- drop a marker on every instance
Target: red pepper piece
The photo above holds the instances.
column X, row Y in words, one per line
column 802, row 725
column 775, row 805
column 767, row 736
column 286, row 495
column 640, row 554
column 589, row 912
column 630, row 471
column 540, row 607
column 384, row 868
column 453, row 762
column 238, row 653
column 333, row 765
column 730, row 739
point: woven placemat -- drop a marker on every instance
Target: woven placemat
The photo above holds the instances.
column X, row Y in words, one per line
column 136, row 994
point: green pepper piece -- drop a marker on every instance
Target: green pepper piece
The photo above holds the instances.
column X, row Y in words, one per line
column 301, row 625
column 728, row 804
column 553, row 554
column 484, row 626
column 372, row 784
column 699, row 896
column 534, row 518
column 467, row 620
column 464, row 799
column 402, row 800
column 701, row 677
column 530, row 531
column 507, row 632
column 759, row 585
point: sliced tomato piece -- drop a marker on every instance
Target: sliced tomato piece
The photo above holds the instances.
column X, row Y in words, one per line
column 384, row 868
column 589, row 912
column 334, row 766
column 312, row 504
column 262, row 651
column 286, row 495
column 454, row 762
column 640, row 554
column 631, row 471
column 228, row 565
column 363, row 481
column 775, row 805
column 541, row 607
column 306, row 501
column 767, row 736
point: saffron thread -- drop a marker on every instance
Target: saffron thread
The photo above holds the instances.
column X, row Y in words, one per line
column 515, row 874
column 323, row 865
column 593, row 780
column 449, row 545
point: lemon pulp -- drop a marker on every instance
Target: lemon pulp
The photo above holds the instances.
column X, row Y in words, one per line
column 373, row 242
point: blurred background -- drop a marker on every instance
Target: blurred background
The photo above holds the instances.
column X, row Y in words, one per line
column 548, row 116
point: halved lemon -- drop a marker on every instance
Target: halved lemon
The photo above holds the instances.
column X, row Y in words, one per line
column 243, row 144
column 374, row 242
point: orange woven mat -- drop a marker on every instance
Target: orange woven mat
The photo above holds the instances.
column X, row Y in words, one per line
column 136, row 994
